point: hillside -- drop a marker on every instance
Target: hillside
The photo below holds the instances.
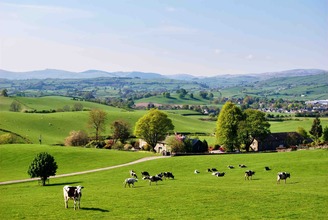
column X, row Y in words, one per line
column 55, row 127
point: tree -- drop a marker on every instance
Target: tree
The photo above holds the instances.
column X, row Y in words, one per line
column 175, row 143
column 43, row 166
column 15, row 106
column 253, row 125
column 153, row 127
column 4, row 93
column 316, row 129
column 121, row 130
column 325, row 134
column 227, row 126
column 97, row 120
column 302, row 132
column 77, row 107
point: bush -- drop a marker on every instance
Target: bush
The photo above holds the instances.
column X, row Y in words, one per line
column 127, row 147
column 77, row 138
column 118, row 146
column 8, row 138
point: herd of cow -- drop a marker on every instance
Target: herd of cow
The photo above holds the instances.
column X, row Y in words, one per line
column 146, row 176
column 248, row 173
column 75, row 192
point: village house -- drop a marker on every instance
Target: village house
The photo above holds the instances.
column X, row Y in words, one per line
column 275, row 140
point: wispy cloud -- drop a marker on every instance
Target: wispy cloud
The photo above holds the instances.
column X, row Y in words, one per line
column 171, row 9
column 249, row 57
column 217, row 51
column 47, row 9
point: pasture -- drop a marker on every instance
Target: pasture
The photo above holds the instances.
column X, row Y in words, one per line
column 55, row 127
column 188, row 196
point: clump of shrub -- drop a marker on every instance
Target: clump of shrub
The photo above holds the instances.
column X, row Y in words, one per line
column 127, row 147
column 8, row 138
column 77, row 138
column 95, row 144
column 118, row 146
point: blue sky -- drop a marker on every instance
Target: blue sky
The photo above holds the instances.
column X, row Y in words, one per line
column 203, row 38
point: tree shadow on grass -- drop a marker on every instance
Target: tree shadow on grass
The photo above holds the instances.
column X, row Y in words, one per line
column 95, row 209
column 62, row 184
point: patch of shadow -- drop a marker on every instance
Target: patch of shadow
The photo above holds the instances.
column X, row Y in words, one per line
column 95, row 209
column 62, row 184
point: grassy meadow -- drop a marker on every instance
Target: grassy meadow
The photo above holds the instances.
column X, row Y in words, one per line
column 188, row 196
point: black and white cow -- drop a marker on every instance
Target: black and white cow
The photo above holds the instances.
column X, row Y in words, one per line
column 249, row 174
column 168, row 175
column 152, row 179
column 242, row 165
column 133, row 174
column 73, row 192
column 145, row 173
column 230, row 167
column 130, row 181
column 282, row 176
column 218, row 174
column 267, row 168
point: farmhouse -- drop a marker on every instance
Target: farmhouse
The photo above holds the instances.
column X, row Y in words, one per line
column 163, row 148
column 275, row 140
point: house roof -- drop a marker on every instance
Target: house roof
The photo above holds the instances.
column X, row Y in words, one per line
column 282, row 135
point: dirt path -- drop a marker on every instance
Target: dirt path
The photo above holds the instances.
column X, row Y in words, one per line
column 87, row 171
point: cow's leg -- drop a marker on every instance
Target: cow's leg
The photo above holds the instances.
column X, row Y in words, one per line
column 74, row 204
column 66, row 203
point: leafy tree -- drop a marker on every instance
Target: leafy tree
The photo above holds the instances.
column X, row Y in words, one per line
column 316, row 129
column 227, row 126
column 121, row 130
column 15, row 106
column 4, row 93
column 325, row 134
column 253, row 125
column 175, row 143
column 153, row 127
column 77, row 107
column 97, row 121
column 43, row 166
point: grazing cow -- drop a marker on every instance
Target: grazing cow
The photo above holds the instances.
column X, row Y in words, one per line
column 282, row 176
column 152, row 179
column 218, row 174
column 130, row 181
column 267, row 168
column 242, row 165
column 230, row 167
column 249, row 174
column 196, row 172
column 133, row 174
column 168, row 175
column 73, row 192
column 145, row 173
column 209, row 170
column 214, row 170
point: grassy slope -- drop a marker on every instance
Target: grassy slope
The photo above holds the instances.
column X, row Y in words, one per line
column 55, row 127
column 189, row 196
column 15, row 159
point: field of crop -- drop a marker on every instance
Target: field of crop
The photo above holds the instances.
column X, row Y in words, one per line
column 188, row 196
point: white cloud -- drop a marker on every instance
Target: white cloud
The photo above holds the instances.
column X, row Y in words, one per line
column 217, row 51
column 249, row 57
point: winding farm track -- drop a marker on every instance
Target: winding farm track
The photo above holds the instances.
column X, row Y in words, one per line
column 87, row 171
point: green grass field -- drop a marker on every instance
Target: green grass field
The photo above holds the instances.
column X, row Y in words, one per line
column 55, row 127
column 188, row 196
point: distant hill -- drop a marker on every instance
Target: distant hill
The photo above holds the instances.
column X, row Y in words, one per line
column 229, row 79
